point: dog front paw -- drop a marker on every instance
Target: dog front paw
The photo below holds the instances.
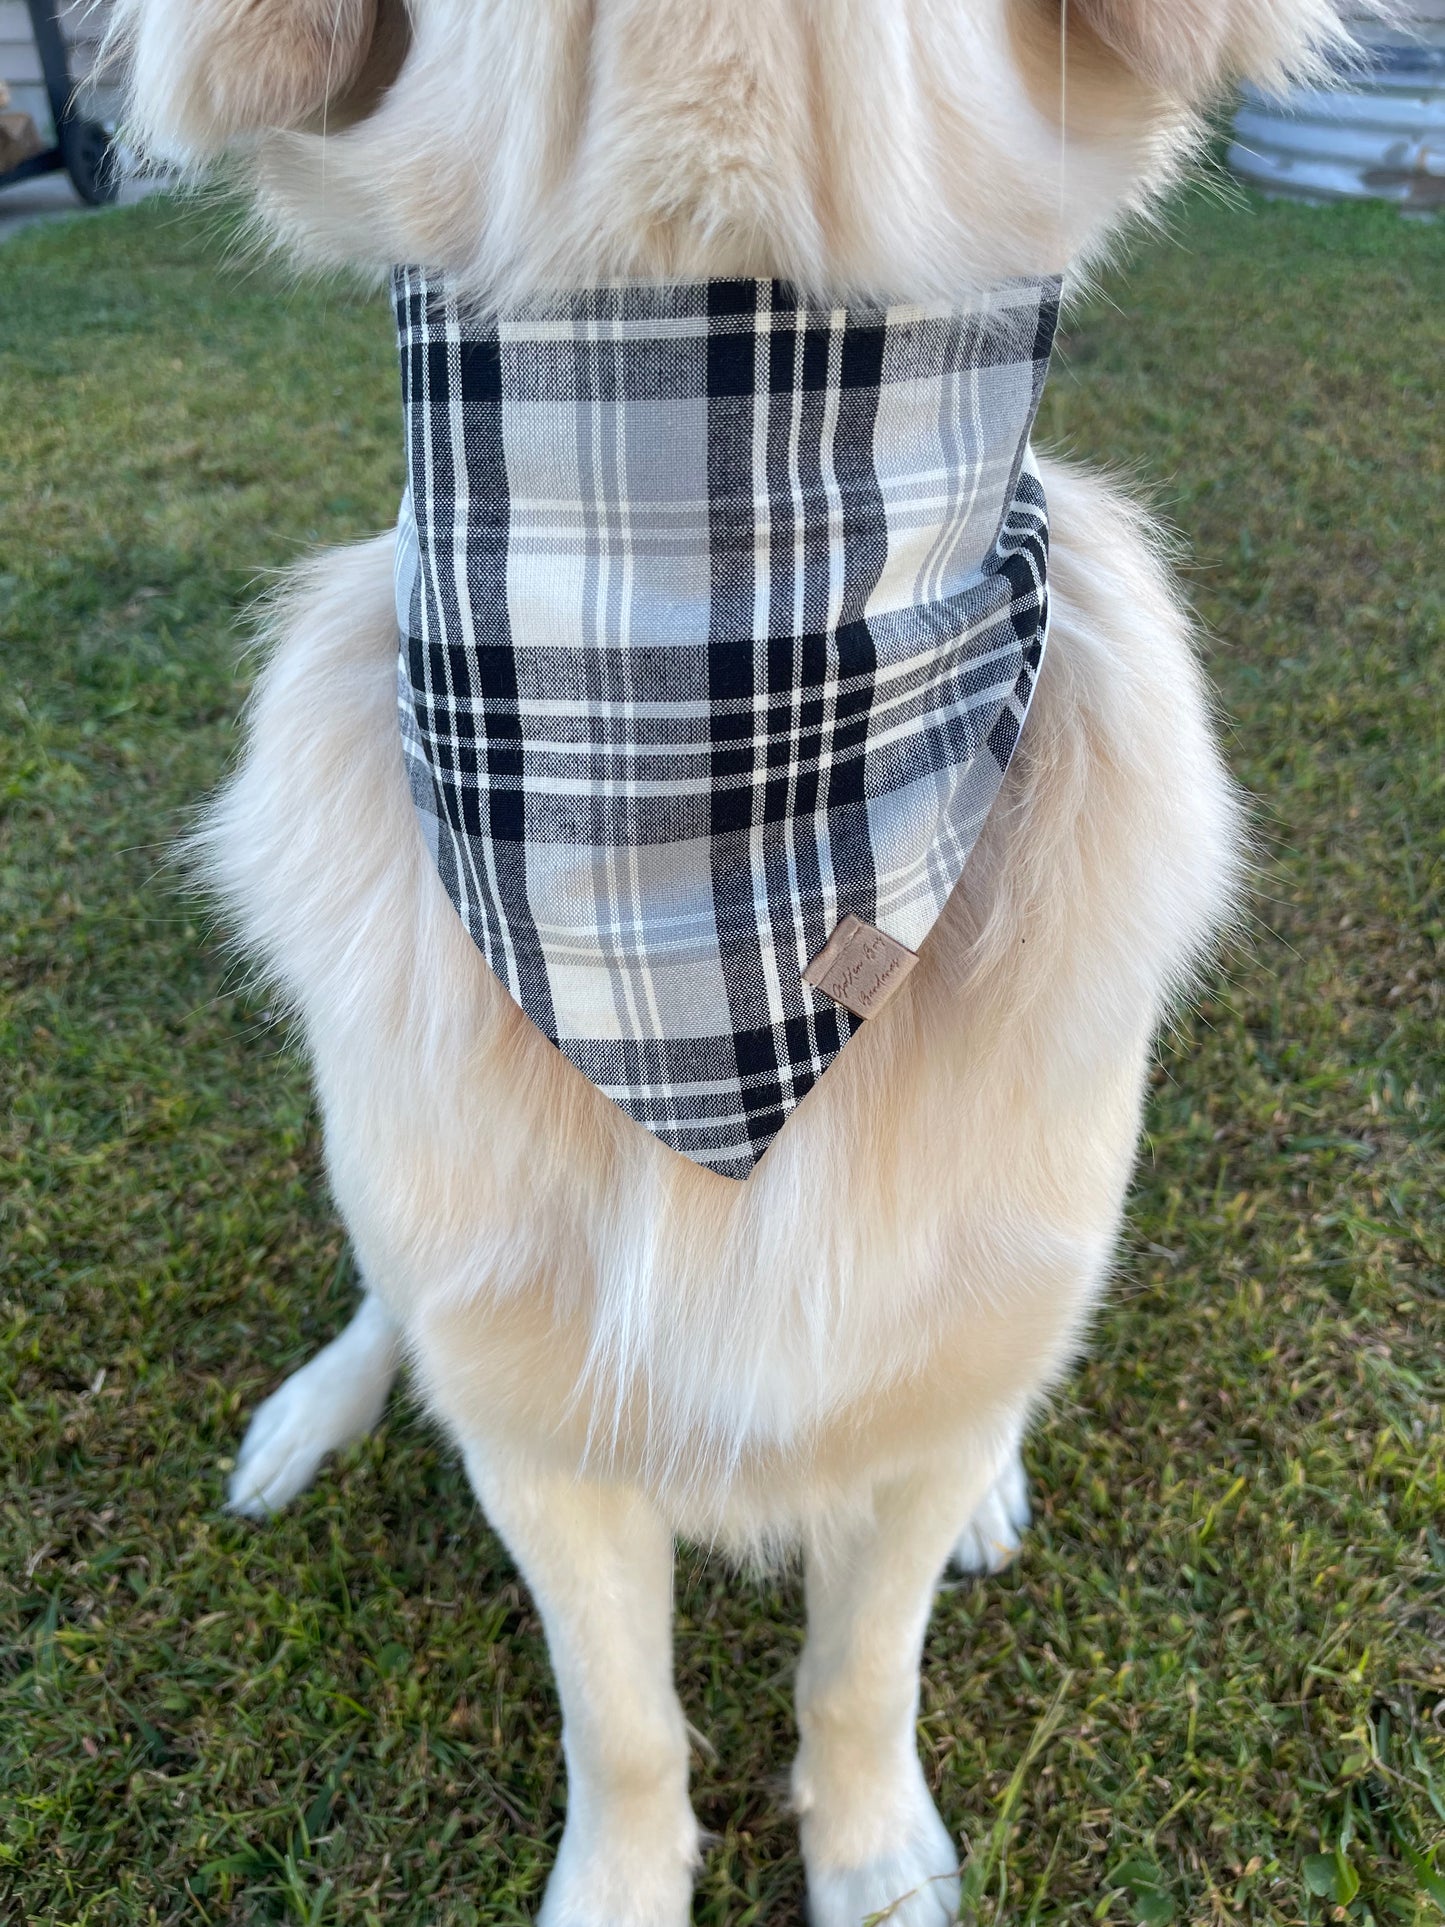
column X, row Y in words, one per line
column 915, row 1883
column 633, row 1874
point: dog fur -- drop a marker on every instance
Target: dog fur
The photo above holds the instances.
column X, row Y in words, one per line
column 844, row 1352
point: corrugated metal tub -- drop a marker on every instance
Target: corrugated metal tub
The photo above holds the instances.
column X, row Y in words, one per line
column 1380, row 134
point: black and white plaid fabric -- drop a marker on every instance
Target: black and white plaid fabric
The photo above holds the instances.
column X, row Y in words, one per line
column 721, row 612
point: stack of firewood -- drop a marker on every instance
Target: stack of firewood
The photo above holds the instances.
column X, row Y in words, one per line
column 19, row 136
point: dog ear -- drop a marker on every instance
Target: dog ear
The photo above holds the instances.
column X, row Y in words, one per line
column 1177, row 45
column 203, row 74
column 1190, row 48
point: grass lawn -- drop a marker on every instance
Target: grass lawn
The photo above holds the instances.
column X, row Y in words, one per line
column 1213, row 1687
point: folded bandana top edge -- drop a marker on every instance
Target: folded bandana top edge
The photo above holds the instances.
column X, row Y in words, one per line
column 721, row 611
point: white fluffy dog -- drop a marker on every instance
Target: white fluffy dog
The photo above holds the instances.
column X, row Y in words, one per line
column 845, row 1350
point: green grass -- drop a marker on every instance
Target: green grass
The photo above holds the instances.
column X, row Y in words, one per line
column 1213, row 1688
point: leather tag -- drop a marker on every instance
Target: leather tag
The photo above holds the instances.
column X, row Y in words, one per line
column 860, row 967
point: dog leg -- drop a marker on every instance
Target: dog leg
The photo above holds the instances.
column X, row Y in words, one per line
column 873, row 1843
column 993, row 1535
column 335, row 1398
column 598, row 1561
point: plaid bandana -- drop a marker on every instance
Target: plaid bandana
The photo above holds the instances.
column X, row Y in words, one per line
column 721, row 612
